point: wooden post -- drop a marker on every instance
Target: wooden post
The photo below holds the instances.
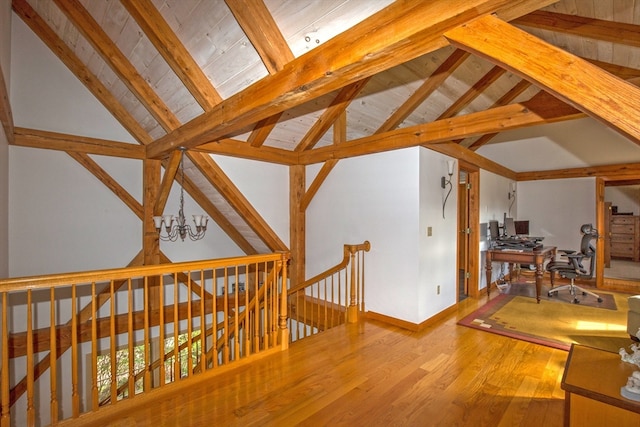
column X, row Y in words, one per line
column 297, row 218
column 283, row 330
column 352, row 310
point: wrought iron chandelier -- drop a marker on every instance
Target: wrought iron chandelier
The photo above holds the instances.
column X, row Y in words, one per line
column 169, row 231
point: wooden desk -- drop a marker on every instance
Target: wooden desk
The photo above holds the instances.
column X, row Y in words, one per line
column 592, row 380
column 536, row 257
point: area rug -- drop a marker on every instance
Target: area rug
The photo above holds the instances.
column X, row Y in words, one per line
column 553, row 322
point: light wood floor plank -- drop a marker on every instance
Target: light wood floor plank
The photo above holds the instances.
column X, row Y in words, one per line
column 379, row 375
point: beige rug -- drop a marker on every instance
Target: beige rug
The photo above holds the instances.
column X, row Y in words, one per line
column 554, row 323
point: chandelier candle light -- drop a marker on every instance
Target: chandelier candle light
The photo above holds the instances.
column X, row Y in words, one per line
column 165, row 223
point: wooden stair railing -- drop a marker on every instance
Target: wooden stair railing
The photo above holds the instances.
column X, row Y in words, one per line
column 330, row 298
column 74, row 319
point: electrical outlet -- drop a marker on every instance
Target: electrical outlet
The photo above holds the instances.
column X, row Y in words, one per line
column 438, row 290
column 429, row 231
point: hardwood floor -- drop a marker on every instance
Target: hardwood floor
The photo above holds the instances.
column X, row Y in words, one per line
column 378, row 375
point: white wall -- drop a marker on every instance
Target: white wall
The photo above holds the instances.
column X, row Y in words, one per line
column 557, row 208
column 389, row 199
column 5, row 68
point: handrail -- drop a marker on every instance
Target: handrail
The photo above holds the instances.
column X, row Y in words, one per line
column 97, row 314
column 330, row 298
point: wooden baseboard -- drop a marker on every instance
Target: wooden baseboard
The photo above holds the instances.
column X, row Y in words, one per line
column 415, row 327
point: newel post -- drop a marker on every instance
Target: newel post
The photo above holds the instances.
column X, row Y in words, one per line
column 352, row 310
column 283, row 331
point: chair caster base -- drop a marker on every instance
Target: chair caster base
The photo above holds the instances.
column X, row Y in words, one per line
column 576, row 301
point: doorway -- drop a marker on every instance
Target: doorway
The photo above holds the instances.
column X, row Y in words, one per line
column 468, row 235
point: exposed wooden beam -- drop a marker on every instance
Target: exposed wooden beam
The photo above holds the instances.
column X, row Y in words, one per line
column 427, row 88
column 235, row 148
column 80, row 144
column 6, row 116
column 265, row 36
column 396, row 34
column 216, row 176
column 73, row 63
column 458, row 151
column 474, row 91
column 597, row 29
column 173, row 51
column 109, row 182
column 331, row 114
column 610, row 100
column 507, row 98
column 262, row 130
column 539, row 110
column 170, row 170
column 297, row 224
column 606, row 171
column 121, row 66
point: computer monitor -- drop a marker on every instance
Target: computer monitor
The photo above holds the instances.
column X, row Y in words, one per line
column 522, row 227
column 509, row 227
column 494, row 232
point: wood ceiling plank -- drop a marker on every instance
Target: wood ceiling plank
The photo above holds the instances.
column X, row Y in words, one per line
column 30, row 17
column 396, row 34
column 597, row 29
column 541, row 109
column 109, row 182
column 63, row 142
column 81, row 19
column 216, row 176
column 173, row 51
column 263, row 32
column 610, row 100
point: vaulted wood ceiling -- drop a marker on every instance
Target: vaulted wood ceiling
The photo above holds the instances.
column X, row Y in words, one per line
column 300, row 82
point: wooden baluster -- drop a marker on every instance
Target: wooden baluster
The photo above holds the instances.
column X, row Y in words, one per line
column 147, row 338
column 75, row 394
column 161, row 332
column 130, row 332
column 4, row 374
column 225, row 322
column 189, row 327
column 53, row 370
column 113, row 345
column 246, row 329
column 31, row 414
column 214, row 316
column 256, row 314
column 177, row 370
column 203, row 325
column 95, row 400
column 236, row 309
column 284, row 332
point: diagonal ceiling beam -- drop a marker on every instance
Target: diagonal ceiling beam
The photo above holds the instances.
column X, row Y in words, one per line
column 84, row 75
column 331, row 114
column 214, row 174
column 265, row 36
column 401, row 32
column 6, row 116
column 597, row 29
column 173, row 51
column 121, row 66
column 427, row 88
column 606, row 98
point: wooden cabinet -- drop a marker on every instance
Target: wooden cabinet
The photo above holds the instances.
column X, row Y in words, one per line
column 625, row 236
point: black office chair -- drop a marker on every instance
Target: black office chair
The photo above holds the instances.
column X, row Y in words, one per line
column 573, row 267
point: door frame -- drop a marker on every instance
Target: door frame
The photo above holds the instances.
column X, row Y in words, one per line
column 473, row 247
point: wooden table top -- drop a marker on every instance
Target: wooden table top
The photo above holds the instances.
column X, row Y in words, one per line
column 598, row 375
